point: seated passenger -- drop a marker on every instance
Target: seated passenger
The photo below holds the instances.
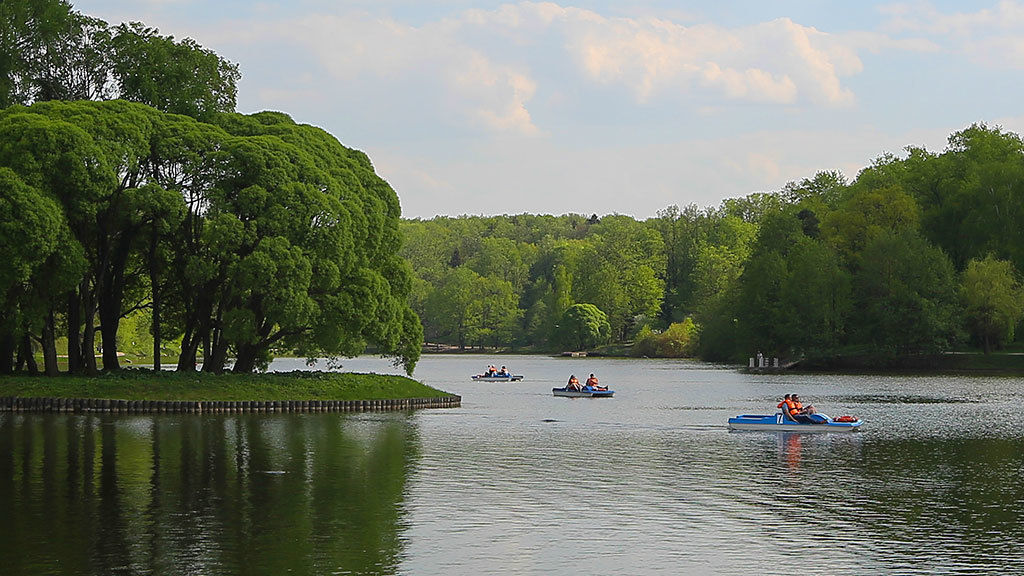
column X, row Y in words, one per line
column 807, row 412
column 795, row 411
column 573, row 384
column 800, row 407
column 592, row 382
column 782, row 405
column 503, row 372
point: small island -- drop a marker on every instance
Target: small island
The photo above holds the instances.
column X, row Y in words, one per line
column 147, row 391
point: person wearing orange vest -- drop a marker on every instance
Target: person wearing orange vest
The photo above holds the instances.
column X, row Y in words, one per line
column 806, row 412
column 573, row 384
column 592, row 382
column 789, row 408
column 800, row 407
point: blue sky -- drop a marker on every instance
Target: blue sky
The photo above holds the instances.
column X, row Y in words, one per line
column 611, row 107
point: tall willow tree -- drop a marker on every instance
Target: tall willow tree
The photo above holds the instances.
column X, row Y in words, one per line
column 298, row 250
column 262, row 234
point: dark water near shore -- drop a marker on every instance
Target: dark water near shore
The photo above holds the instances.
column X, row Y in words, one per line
column 519, row 482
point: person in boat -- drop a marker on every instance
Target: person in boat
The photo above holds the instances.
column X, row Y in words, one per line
column 573, row 384
column 592, row 383
column 503, row 372
column 800, row 408
column 790, row 410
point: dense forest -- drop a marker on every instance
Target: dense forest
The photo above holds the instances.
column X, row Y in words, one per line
column 919, row 254
column 131, row 193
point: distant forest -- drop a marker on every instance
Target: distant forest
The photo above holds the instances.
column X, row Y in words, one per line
column 919, row 254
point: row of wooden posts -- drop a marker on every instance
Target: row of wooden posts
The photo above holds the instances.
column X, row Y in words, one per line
column 17, row 404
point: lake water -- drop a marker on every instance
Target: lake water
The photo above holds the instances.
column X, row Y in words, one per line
column 517, row 481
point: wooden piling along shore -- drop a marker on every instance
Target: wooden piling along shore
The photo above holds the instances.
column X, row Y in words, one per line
column 77, row 405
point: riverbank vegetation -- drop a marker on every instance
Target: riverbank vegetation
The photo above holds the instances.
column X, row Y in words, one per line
column 133, row 193
column 919, row 254
column 134, row 384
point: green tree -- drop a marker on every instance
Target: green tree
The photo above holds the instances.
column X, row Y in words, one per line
column 993, row 301
column 449, row 305
column 180, row 77
column 866, row 214
column 298, row 251
column 816, row 300
column 971, row 195
column 50, row 52
column 906, row 297
column 583, row 326
column 494, row 312
column 759, row 310
column 32, row 231
column 678, row 341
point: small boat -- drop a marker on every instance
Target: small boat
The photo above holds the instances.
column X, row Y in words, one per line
column 586, row 392
column 779, row 423
column 497, row 378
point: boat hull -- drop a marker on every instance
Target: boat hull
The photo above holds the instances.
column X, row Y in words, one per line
column 585, row 393
column 512, row 378
column 776, row 423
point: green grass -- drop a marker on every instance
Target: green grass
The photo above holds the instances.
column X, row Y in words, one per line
column 150, row 385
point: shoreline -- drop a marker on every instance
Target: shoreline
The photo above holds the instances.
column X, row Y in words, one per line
column 104, row 405
column 148, row 391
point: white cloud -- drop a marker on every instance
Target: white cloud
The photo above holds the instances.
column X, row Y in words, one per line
column 487, row 66
column 990, row 36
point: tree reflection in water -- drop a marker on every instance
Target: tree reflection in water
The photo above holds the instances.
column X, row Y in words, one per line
column 210, row 494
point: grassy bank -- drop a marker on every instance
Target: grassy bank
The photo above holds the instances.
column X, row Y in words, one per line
column 150, row 385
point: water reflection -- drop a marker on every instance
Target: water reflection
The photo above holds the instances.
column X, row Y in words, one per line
column 301, row 494
column 792, row 446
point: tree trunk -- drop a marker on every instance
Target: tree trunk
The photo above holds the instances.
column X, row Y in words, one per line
column 26, row 354
column 245, row 359
column 7, row 349
column 209, row 338
column 74, row 336
column 89, row 335
column 50, row 346
column 187, row 358
column 156, row 332
column 215, row 360
column 110, row 314
column 154, row 282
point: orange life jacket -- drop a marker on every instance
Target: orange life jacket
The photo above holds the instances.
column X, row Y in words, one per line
column 798, row 406
column 790, row 407
column 592, row 382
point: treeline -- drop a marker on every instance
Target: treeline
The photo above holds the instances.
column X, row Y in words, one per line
column 236, row 236
column 919, row 254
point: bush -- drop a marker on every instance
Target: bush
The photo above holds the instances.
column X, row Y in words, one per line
column 679, row 341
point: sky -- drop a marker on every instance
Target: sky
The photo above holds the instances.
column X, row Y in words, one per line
column 601, row 107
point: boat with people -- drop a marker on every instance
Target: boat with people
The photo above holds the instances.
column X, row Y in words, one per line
column 584, row 392
column 780, row 422
column 493, row 374
column 496, row 378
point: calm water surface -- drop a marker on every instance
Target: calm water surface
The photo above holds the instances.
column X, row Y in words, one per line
column 519, row 482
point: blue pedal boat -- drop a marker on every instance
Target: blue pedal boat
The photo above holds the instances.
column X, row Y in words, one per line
column 586, row 392
column 496, row 378
column 779, row 423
